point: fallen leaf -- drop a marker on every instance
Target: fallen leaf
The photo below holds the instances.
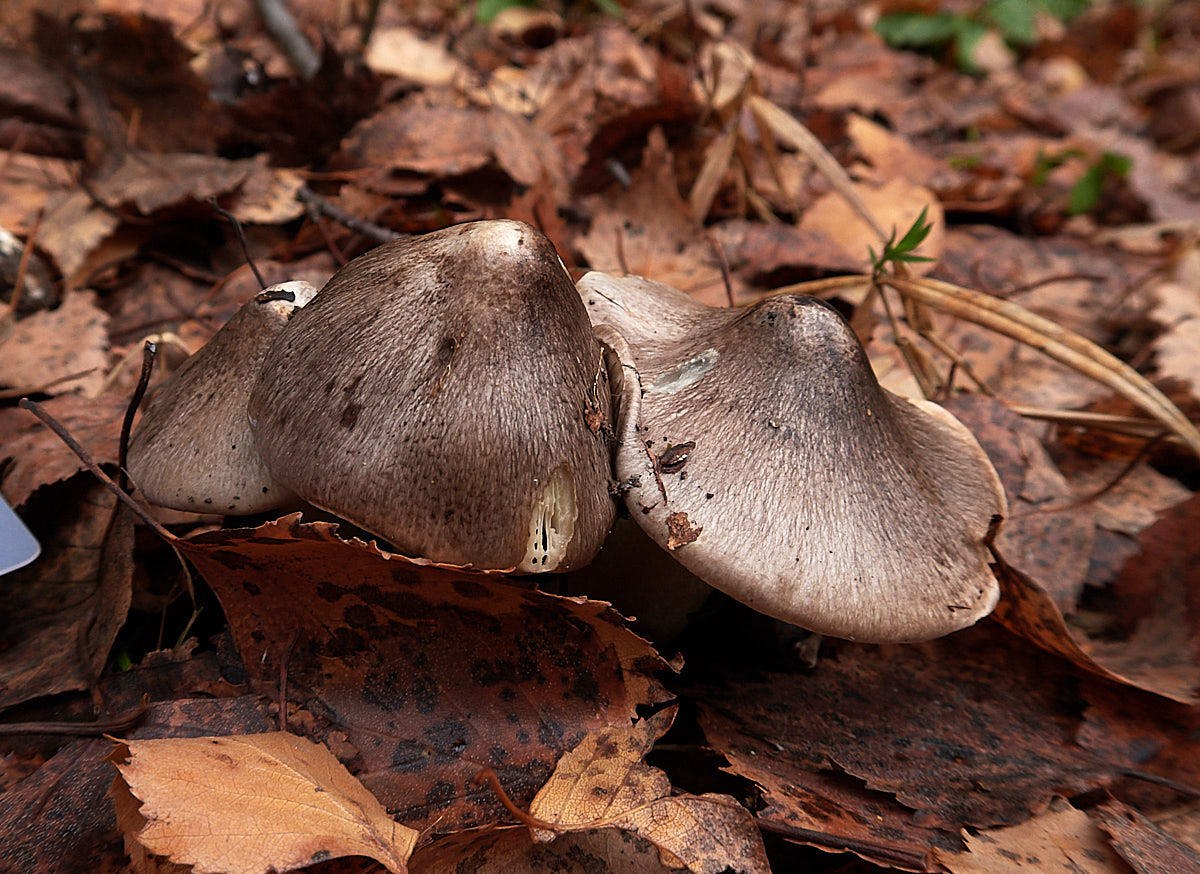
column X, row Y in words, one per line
column 1161, row 650
column 820, row 808
column 38, row 457
column 895, row 206
column 1071, row 282
column 60, row 819
column 604, row 783
column 526, row 676
column 1064, row 840
column 511, row 851
column 930, row 724
column 648, row 229
column 399, row 51
column 71, row 229
column 889, row 154
column 48, row 345
column 1181, row 823
column 1047, row 534
column 1141, row 843
column 78, row 590
column 151, row 182
column 268, row 196
column 250, row 804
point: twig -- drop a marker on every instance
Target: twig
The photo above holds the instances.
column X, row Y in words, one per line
column 1147, row 777
column 368, row 27
column 21, row 391
column 149, row 351
column 23, row 265
column 122, row 722
column 241, row 235
column 282, row 27
column 723, row 263
column 83, row 455
column 488, row 776
column 370, row 230
column 893, row 855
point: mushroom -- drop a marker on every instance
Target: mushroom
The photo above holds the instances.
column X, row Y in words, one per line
column 193, row 449
column 446, row 393
column 756, row 445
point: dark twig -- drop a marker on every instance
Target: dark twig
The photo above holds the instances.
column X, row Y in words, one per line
column 122, row 722
column 65, row 436
column 1157, row 780
column 370, row 230
column 723, row 263
column 283, row 28
column 241, row 235
column 893, row 855
column 149, row 351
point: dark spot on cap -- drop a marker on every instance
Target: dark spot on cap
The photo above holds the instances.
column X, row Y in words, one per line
column 350, row 416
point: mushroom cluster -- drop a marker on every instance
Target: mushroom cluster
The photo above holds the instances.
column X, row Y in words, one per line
column 460, row 397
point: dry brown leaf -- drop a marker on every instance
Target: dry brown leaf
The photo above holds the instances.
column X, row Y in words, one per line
column 527, row 676
column 399, row 51
column 268, row 195
column 1182, row 823
column 511, row 851
column 36, row 454
column 72, row 228
column 1141, row 843
column 1062, row 841
column 889, row 154
column 895, row 205
column 250, row 804
column 48, row 345
column 1047, row 534
column 648, row 229
column 1156, row 594
column 930, row 724
column 603, row 783
column 60, row 819
column 150, row 182
column 78, row 590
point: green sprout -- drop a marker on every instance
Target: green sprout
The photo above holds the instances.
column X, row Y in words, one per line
column 901, row 251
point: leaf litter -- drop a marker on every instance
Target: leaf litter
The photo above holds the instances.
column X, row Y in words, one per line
column 729, row 149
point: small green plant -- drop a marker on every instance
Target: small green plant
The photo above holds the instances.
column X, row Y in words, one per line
column 486, row 10
column 901, row 251
column 1086, row 193
column 1014, row 20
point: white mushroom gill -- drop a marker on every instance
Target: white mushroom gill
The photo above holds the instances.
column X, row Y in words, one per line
column 552, row 525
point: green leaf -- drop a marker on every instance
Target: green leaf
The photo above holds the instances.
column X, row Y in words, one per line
column 1015, row 19
column 1065, row 10
column 486, row 10
column 915, row 30
column 1085, row 194
column 969, row 35
column 915, row 235
column 609, row 7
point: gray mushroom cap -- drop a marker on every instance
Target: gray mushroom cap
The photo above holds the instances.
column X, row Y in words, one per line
column 193, row 449
column 446, row 393
column 758, row 447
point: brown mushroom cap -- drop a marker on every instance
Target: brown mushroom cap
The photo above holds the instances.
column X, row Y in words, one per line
column 760, row 449
column 193, row 449
column 446, row 393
